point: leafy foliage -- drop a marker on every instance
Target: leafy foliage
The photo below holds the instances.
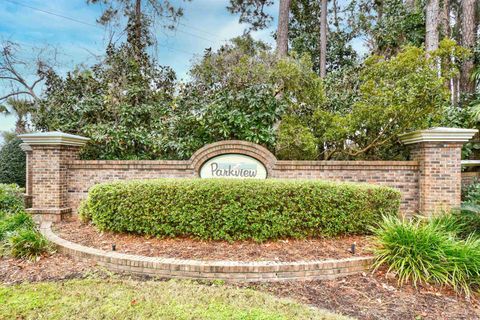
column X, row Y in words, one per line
column 471, row 193
column 295, row 141
column 421, row 251
column 238, row 210
column 12, row 163
column 121, row 104
column 241, row 92
column 11, row 199
column 18, row 236
column 462, row 223
column 362, row 117
column 304, row 33
column 13, row 222
column 25, row 243
column 388, row 25
column 252, row 12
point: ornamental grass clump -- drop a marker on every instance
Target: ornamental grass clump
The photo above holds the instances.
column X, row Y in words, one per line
column 25, row 243
column 422, row 251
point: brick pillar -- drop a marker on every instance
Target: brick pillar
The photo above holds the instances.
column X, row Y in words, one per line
column 439, row 153
column 47, row 171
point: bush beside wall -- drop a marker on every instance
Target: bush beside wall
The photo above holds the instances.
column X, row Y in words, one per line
column 12, row 163
column 238, row 210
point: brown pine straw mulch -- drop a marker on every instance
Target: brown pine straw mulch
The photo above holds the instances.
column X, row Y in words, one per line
column 48, row 267
column 375, row 296
column 185, row 248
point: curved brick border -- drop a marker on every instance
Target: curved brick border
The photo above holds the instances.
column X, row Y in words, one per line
column 223, row 270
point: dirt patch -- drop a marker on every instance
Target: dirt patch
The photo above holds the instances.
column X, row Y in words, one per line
column 370, row 296
column 184, row 248
column 51, row 267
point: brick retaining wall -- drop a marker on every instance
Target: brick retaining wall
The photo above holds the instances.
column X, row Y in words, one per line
column 57, row 180
column 402, row 175
column 210, row 270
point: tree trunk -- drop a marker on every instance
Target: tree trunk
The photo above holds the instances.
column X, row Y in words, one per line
column 446, row 19
column 468, row 32
column 138, row 28
column 323, row 39
column 282, row 31
column 432, row 21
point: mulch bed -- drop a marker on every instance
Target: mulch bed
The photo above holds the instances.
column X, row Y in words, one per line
column 373, row 296
column 185, row 248
column 49, row 267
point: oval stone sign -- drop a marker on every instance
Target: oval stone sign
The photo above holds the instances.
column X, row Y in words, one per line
column 233, row 166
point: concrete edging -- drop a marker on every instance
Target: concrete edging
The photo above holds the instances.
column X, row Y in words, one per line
column 210, row 269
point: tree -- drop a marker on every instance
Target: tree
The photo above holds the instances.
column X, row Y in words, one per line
column 323, row 39
column 469, row 26
column 432, row 25
column 121, row 103
column 15, row 71
column 282, row 30
column 304, row 34
column 22, row 109
column 387, row 26
column 392, row 95
column 140, row 16
column 253, row 13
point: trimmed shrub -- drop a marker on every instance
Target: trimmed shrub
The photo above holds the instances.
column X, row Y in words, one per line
column 421, row 251
column 11, row 199
column 13, row 163
column 239, row 209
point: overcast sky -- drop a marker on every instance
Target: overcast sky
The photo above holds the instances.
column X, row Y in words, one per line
column 79, row 38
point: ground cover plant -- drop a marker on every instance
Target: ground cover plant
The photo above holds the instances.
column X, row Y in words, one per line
column 434, row 250
column 18, row 235
column 147, row 300
column 238, row 210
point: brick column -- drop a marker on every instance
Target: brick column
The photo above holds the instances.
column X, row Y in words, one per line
column 47, row 171
column 439, row 153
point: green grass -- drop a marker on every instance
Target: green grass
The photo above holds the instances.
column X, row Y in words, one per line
column 127, row 299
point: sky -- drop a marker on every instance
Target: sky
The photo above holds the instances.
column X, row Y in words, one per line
column 70, row 27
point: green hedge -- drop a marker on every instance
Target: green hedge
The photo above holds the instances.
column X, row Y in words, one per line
column 237, row 210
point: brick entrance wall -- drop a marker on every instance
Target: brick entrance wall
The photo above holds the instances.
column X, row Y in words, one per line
column 58, row 181
column 402, row 175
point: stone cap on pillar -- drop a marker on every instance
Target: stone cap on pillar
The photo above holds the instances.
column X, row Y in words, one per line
column 56, row 138
column 438, row 134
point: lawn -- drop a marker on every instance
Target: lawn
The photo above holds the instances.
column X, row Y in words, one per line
column 128, row 299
